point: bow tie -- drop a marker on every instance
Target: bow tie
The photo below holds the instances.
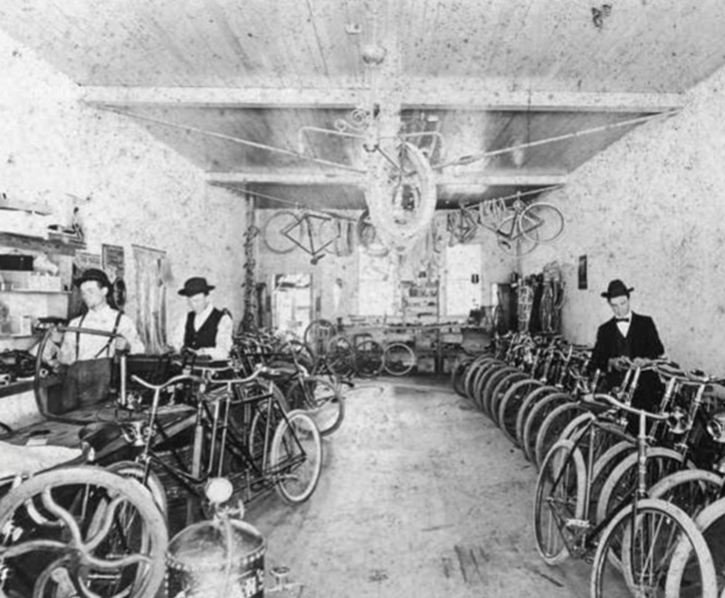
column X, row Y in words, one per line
column 621, row 320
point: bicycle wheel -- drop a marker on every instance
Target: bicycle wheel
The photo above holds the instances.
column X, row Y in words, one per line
column 274, row 240
column 265, row 420
column 529, row 402
column 499, row 391
column 711, row 523
column 296, row 457
column 341, row 356
column 692, row 490
column 658, row 539
column 559, row 498
column 511, row 240
column 458, row 375
column 135, row 471
column 318, row 334
column 622, row 481
column 553, row 426
column 303, row 354
column 491, row 381
column 542, row 222
column 536, row 417
column 105, row 534
column 510, row 404
column 322, row 400
column 369, row 358
column 398, row 359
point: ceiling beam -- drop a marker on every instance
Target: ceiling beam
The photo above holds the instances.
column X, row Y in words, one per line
column 416, row 94
column 488, row 178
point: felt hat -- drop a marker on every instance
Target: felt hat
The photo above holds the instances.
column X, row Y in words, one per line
column 94, row 274
column 194, row 286
column 617, row 288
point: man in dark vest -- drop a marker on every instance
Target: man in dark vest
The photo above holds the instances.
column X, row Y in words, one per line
column 206, row 330
column 631, row 335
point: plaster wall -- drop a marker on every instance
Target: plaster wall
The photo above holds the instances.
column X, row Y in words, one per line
column 650, row 211
column 131, row 189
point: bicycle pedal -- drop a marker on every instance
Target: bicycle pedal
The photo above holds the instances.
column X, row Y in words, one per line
column 577, row 524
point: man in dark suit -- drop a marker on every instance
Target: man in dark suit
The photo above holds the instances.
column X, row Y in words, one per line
column 630, row 335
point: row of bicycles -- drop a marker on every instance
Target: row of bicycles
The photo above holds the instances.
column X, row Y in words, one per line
column 94, row 519
column 637, row 493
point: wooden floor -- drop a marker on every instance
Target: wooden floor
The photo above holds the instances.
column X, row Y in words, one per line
column 420, row 496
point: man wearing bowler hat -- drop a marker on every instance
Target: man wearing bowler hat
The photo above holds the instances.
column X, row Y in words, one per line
column 631, row 335
column 206, row 330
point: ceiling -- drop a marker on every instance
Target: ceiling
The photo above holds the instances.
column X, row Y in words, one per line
column 504, row 96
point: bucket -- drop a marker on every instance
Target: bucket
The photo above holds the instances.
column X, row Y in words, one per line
column 221, row 558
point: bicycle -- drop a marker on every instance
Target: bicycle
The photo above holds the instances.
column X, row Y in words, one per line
column 527, row 226
column 638, row 537
column 316, row 232
column 289, row 460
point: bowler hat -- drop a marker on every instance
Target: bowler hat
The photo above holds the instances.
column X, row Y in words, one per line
column 194, row 286
column 617, row 288
column 94, row 274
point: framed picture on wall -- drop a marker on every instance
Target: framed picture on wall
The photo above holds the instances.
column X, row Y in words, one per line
column 113, row 263
column 583, row 272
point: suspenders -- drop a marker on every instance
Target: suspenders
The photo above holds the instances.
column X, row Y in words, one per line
column 107, row 346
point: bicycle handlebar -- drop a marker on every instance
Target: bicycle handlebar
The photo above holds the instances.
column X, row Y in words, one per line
column 629, row 409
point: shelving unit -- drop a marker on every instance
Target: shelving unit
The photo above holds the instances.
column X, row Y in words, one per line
column 23, row 306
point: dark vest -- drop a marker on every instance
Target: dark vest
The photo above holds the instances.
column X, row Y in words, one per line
column 205, row 337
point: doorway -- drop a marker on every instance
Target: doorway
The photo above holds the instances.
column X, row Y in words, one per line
column 291, row 304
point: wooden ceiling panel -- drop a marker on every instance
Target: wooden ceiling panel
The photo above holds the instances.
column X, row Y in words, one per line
column 246, row 90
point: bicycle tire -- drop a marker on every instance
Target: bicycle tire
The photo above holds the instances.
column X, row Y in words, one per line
column 398, row 359
column 562, row 472
column 653, row 527
column 692, row 490
column 491, row 383
column 264, row 419
column 711, row 523
column 274, row 240
column 511, row 241
column 553, row 425
column 499, row 391
column 289, row 459
column 485, row 373
column 620, row 482
column 529, row 402
column 135, row 471
column 510, row 404
column 542, row 222
column 369, row 358
column 88, row 496
column 321, row 399
column 472, row 372
column 458, row 375
column 340, row 355
column 536, row 417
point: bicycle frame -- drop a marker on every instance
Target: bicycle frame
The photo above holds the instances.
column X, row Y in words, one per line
column 585, row 533
column 256, row 477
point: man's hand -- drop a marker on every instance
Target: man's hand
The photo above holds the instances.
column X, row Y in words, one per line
column 122, row 344
column 615, row 363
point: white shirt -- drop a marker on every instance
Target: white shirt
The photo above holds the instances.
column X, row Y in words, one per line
column 92, row 346
column 624, row 326
column 223, row 343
